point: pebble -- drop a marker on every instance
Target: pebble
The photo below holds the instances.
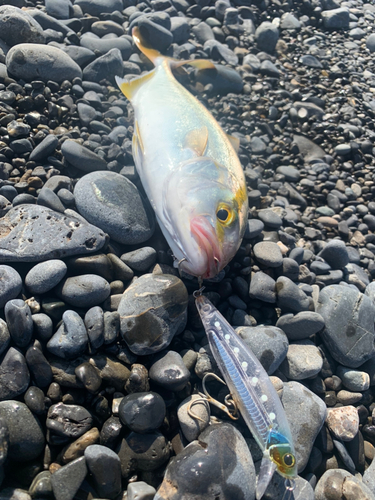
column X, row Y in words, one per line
column 39, row 367
column 301, row 325
column 192, row 427
column 70, row 340
column 109, row 65
column 82, row 158
column 26, row 438
column 336, row 18
column 139, row 490
column 41, row 485
column 68, row 421
column 67, row 480
column 23, row 240
column 43, row 326
column 349, row 324
column 266, row 36
column 99, row 7
column 94, row 323
column 77, row 448
column 268, row 254
column 101, row 46
column 157, row 300
column 343, row 422
column 105, row 467
column 219, row 461
column 4, row 336
column 141, row 259
column 10, row 284
column 18, row 27
column 142, row 411
column 45, row 148
column 45, row 276
column 353, row 380
column 34, row 398
column 342, row 484
column 303, row 360
column 335, row 254
column 113, row 203
column 19, row 321
column 87, row 290
column 290, row 298
column 262, row 287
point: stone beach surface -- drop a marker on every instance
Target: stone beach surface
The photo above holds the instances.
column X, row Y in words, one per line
column 102, row 352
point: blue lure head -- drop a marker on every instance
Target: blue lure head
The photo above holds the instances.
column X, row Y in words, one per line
column 282, row 453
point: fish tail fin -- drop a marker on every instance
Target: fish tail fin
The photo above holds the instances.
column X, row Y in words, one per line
column 130, row 87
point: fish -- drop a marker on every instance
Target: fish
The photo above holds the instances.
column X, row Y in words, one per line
column 254, row 395
column 188, row 167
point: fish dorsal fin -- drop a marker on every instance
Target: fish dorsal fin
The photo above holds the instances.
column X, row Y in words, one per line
column 130, row 87
column 234, row 141
column 197, row 140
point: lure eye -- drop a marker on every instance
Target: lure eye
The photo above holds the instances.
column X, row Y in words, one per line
column 223, row 215
column 289, row 460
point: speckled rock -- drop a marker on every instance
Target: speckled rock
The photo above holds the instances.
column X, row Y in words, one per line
column 31, row 233
column 343, row 422
column 303, row 360
column 339, row 483
column 152, row 310
column 17, row 27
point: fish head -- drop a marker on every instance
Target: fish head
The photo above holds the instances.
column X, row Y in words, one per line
column 206, row 211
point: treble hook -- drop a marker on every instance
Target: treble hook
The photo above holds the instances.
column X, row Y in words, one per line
column 290, row 485
column 229, row 408
column 178, row 266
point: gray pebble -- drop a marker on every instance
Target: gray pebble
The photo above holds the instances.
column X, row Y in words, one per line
column 10, row 284
column 45, row 276
column 142, row 411
column 43, row 326
column 41, row 486
column 170, row 372
column 105, row 467
column 139, row 490
column 89, row 376
column 100, row 46
column 94, row 323
column 303, row 360
column 108, row 66
column 268, row 254
column 192, row 427
column 86, row 290
column 71, row 338
column 262, row 287
column 19, row 321
column 40, row 369
column 266, row 36
column 335, row 18
column 82, row 158
column 69, row 421
column 342, row 482
column 4, row 336
column 353, row 380
column 45, row 148
column 290, row 297
column 67, row 480
column 14, row 375
column 253, row 229
column 17, row 27
column 111, row 326
column 141, row 259
column 335, row 254
column 98, row 7
column 301, row 325
column 34, row 399
column 47, row 198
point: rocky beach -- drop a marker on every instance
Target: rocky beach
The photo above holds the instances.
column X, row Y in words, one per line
column 102, row 352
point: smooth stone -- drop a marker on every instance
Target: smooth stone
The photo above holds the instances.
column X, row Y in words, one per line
column 19, row 321
column 170, row 372
column 45, row 148
column 60, row 9
column 87, row 290
column 291, row 174
column 306, row 414
column 303, row 360
column 40, row 369
column 268, row 254
column 18, row 27
column 101, row 46
column 336, row 18
column 353, row 380
column 142, row 412
column 370, row 42
column 310, row 61
column 224, row 81
column 49, row 199
column 4, row 336
column 343, row 422
column 139, row 490
column 369, row 291
column 156, row 35
column 349, row 324
column 335, row 254
column 289, row 22
column 48, row 22
column 111, row 370
column 11, row 493
column 105, row 467
column 45, row 276
column 105, row 67
column 94, row 323
column 35, row 62
column 10, row 284
column 99, row 7
column 290, row 298
column 110, row 433
column 111, row 326
column 89, row 376
column 219, row 461
column 160, row 301
column 348, row 398
column 253, row 229
column 77, row 448
column 339, row 483
column 270, row 219
column 101, row 28
column 81, row 55
column 41, row 486
column 23, row 240
column 34, row 399
column 141, row 259
column 192, row 427
column 180, row 30
column 268, row 343
column 138, row 380
column 262, row 287
column 71, row 338
column 143, row 452
column 113, row 203
column 14, row 375
column 69, row 421
column 301, row 325
column 266, row 36
column 203, row 32
column 120, row 269
column 67, row 480
column 308, row 149
column 369, row 476
column 357, row 276
column 91, row 264
column 26, row 438
column 82, row 158
column 43, row 326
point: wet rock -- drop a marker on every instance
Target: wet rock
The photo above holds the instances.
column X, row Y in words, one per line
column 69, row 421
column 105, row 467
column 40, row 369
column 14, row 375
column 67, row 480
column 112, row 371
column 343, row 422
column 17, row 26
column 160, row 301
column 225, row 468
column 32, row 233
column 26, row 439
column 34, row 398
column 45, row 276
column 170, row 372
column 142, row 412
column 41, row 486
column 114, row 204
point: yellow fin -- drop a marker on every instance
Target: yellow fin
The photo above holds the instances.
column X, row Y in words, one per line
column 130, row 87
column 197, row 63
column 197, row 140
column 235, row 142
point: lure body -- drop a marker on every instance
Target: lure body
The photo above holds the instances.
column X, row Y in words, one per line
column 188, row 168
column 253, row 393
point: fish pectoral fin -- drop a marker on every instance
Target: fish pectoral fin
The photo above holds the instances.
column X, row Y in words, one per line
column 267, row 469
column 130, row 87
column 234, row 141
column 197, row 140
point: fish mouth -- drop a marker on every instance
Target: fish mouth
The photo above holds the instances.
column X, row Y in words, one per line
column 208, row 242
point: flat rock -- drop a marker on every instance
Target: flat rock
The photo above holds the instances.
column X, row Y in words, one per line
column 86, row 290
column 45, row 276
column 32, row 233
column 67, row 480
column 41, row 62
column 268, row 254
column 303, row 360
column 153, row 309
column 343, row 422
column 113, row 203
column 301, row 325
column 17, row 26
column 349, row 324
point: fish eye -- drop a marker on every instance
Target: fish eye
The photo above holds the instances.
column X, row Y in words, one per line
column 222, row 214
column 289, row 460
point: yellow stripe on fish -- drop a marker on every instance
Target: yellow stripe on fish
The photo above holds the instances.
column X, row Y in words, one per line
column 188, row 166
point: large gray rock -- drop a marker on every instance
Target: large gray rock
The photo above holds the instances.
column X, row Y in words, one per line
column 343, row 485
column 36, row 62
column 97, row 7
column 349, row 324
column 32, row 233
column 336, row 18
column 17, row 26
column 266, row 36
column 105, row 67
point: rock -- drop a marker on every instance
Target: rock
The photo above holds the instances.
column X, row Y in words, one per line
column 266, row 36
column 143, row 452
column 30, row 233
column 370, row 42
column 81, row 55
column 353, row 380
column 18, row 27
column 71, row 338
column 10, row 284
column 262, row 287
column 94, row 323
column 89, row 376
column 43, row 326
column 113, row 203
column 369, row 477
column 26, row 439
column 306, row 413
column 105, row 467
column 341, row 484
column 301, row 325
column 34, row 398
column 308, row 149
column 192, row 427
column 290, row 297
column 289, row 22
column 142, row 412
column 81, row 157
column 310, row 61
column 160, row 301
column 170, row 372
column 102, row 28
column 303, row 360
column 14, row 375
column 35, row 62
column 112, row 371
column 87, row 290
column 45, row 276
column 67, row 480
column 77, row 448
column 180, row 30
column 141, row 259
column 105, row 67
column 335, row 254
column 343, row 422
column 156, row 35
column 4, row 336
column 19, row 321
column 268, row 343
column 219, row 461
column 41, row 485
column 45, row 148
column 223, row 81
column 336, row 18
column 217, row 50
column 203, row 32
column 98, row 7
column 58, row 8
column 349, row 324
column 39, row 367
column 69, row 421
column 268, row 254
column 139, row 490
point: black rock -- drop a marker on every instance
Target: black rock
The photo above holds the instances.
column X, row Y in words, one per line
column 40, row 369
column 81, row 157
column 71, row 338
column 14, row 375
column 142, row 411
column 67, row 480
column 106, row 67
column 19, row 321
column 70, row 421
column 170, row 372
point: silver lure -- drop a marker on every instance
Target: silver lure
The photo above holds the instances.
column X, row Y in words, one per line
column 254, row 395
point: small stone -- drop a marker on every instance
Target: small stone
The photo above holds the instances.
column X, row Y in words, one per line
column 89, row 376
column 170, row 372
column 268, row 254
column 141, row 259
column 100, row 46
column 108, row 65
column 45, row 148
column 353, row 380
column 138, row 380
column 99, row 7
column 10, row 284
column 71, row 338
column 142, row 412
column 192, row 427
column 19, row 321
column 105, row 467
column 303, row 360
column 45, row 276
column 70, row 421
column 41, row 486
column 67, row 480
column 86, row 290
column 77, row 448
column 94, row 322
column 343, row 422
column 290, row 297
column 339, row 483
column 335, row 254
column 301, row 325
column 14, row 375
column 18, row 27
column 336, row 18
column 112, row 371
column 370, row 42
column 266, row 36
column 262, row 287
column 139, row 490
column 82, row 158
column 34, row 398
column 156, row 35
column 43, row 326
